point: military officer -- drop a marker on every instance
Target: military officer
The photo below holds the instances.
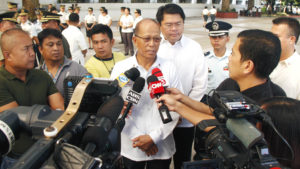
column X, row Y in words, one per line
column 63, row 19
column 8, row 20
column 28, row 26
column 217, row 59
column 12, row 6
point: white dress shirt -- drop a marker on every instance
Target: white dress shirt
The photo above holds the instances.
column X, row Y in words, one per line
column 205, row 12
column 286, row 75
column 136, row 21
column 77, row 43
column 212, row 11
column 126, row 21
column 217, row 69
column 38, row 26
column 191, row 67
column 145, row 118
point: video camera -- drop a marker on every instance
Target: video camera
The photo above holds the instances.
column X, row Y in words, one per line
column 74, row 139
column 235, row 142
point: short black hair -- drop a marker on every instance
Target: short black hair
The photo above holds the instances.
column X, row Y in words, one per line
column 292, row 23
column 128, row 9
column 138, row 11
column 262, row 48
column 169, row 9
column 123, row 8
column 74, row 17
column 105, row 11
column 49, row 32
column 104, row 29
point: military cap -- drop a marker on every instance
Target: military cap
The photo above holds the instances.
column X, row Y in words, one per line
column 47, row 16
column 90, row 9
column 70, row 8
column 62, row 6
column 218, row 28
column 23, row 12
column 9, row 16
column 12, row 5
column 77, row 7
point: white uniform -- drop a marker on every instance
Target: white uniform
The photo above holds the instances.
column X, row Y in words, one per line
column 90, row 19
column 38, row 26
column 126, row 21
column 64, row 17
column 136, row 21
column 217, row 69
column 30, row 28
column 105, row 20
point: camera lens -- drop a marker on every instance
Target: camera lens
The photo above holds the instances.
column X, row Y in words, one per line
column 9, row 125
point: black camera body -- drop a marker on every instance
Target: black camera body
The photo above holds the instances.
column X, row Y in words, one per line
column 234, row 142
column 32, row 120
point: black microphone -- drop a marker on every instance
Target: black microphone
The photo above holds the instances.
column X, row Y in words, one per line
column 131, row 74
column 108, row 113
column 156, row 90
column 132, row 97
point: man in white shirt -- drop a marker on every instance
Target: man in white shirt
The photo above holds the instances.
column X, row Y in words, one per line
column 28, row 26
column 286, row 73
column 76, row 39
column 191, row 70
column 147, row 142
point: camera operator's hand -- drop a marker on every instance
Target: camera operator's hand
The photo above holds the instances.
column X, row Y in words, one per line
column 144, row 142
column 169, row 100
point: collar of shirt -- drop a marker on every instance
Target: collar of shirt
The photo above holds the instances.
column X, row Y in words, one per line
column 290, row 60
column 177, row 44
column 157, row 63
column 225, row 56
column 11, row 76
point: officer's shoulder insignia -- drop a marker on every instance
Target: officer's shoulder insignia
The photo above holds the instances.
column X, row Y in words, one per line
column 206, row 53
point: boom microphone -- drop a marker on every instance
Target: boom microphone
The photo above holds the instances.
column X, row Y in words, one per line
column 156, row 90
column 130, row 74
column 108, row 113
column 133, row 97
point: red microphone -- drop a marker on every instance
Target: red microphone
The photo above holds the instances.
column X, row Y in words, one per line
column 156, row 90
column 157, row 72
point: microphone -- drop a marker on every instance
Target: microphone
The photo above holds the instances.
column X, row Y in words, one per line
column 132, row 97
column 95, row 137
column 130, row 74
column 156, row 90
column 157, row 72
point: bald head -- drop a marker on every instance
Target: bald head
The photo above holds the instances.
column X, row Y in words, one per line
column 9, row 38
column 143, row 22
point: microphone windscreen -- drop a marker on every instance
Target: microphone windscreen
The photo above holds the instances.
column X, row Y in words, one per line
column 132, row 73
column 138, row 84
column 157, row 72
column 152, row 79
column 111, row 108
column 244, row 131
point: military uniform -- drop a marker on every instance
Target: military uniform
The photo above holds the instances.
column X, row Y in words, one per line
column 27, row 26
column 90, row 19
column 7, row 16
column 217, row 69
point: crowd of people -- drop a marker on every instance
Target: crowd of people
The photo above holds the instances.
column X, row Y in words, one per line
column 261, row 65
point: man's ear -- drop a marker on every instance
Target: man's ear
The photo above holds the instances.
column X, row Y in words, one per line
column 248, row 66
column 293, row 39
column 112, row 42
column 6, row 55
column 134, row 40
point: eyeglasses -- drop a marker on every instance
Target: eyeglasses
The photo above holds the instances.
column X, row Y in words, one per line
column 148, row 39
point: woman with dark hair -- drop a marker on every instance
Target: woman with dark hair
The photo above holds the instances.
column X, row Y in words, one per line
column 285, row 114
column 126, row 23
